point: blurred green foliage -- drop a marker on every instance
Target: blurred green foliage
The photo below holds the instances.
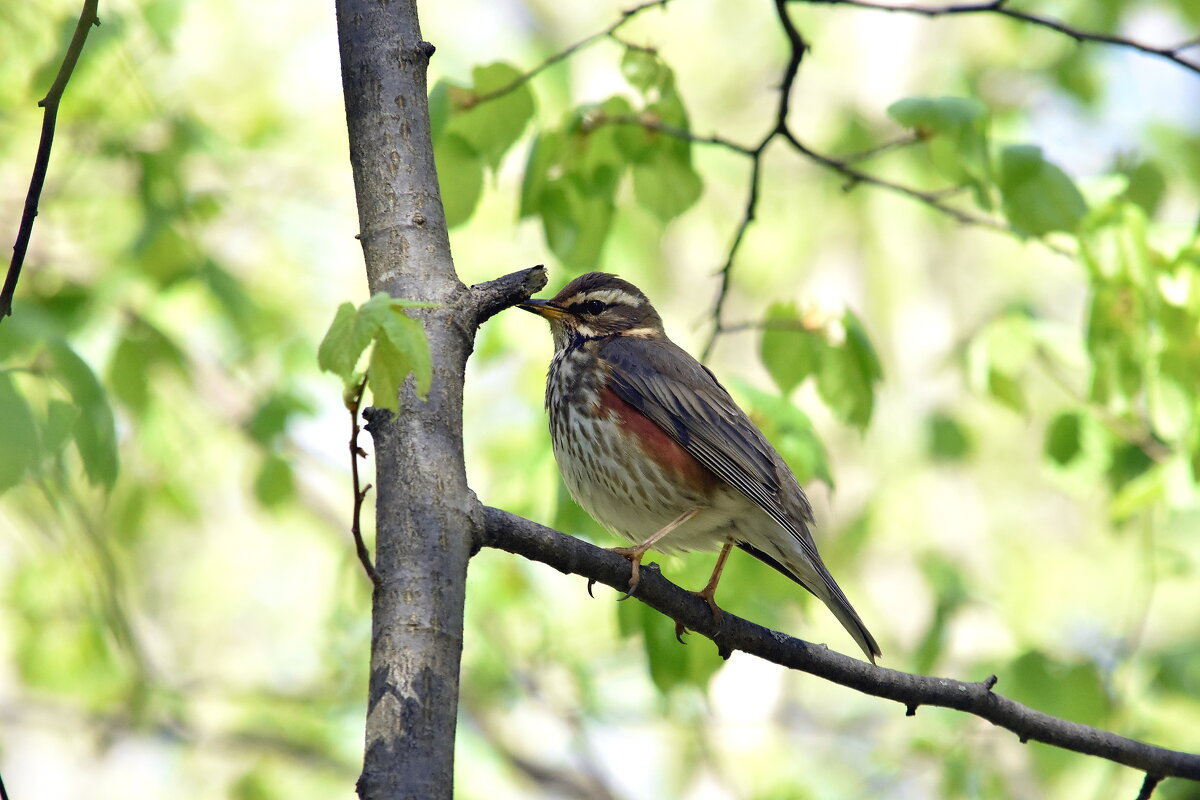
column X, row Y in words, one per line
column 1014, row 435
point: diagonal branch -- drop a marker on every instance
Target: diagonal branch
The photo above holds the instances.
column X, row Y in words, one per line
column 41, row 162
column 517, row 535
column 1000, row 7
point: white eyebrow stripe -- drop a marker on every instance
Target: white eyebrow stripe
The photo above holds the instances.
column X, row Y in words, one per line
column 610, row 296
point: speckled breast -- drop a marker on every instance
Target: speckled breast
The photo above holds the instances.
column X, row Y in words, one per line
column 618, row 465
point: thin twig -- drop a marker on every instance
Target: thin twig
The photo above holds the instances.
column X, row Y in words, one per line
column 562, row 55
column 652, row 123
column 797, row 47
column 880, row 149
column 41, row 162
column 1001, row 8
column 930, row 199
column 726, row 271
column 353, row 403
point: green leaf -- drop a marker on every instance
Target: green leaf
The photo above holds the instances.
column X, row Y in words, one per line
column 141, row 349
column 440, row 107
column 671, row 664
column 240, row 308
column 933, row 115
column 387, row 370
column 460, row 175
column 790, row 354
column 848, row 374
column 955, row 133
column 1147, row 186
column 274, row 484
column 18, row 434
column 491, row 127
column 408, row 335
column 402, row 339
column 669, row 109
column 1037, row 196
column 1063, row 442
column 1128, row 462
column 400, row 349
column 666, row 185
column 644, row 69
column 340, row 349
column 274, row 414
column 95, row 428
column 59, row 426
column 946, row 438
column 1007, row 390
column 1146, row 490
column 544, row 157
column 595, row 161
column 576, row 224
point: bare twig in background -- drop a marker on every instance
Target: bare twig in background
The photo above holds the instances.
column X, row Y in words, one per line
column 41, row 162
column 1000, row 7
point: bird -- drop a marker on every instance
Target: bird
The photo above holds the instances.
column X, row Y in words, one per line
column 653, row 447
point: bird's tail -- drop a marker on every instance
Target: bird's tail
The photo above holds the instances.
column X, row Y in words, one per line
column 833, row 597
column 816, row 579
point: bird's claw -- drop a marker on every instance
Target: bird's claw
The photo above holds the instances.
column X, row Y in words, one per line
column 634, row 554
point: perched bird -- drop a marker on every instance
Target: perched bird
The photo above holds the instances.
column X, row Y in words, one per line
column 654, row 448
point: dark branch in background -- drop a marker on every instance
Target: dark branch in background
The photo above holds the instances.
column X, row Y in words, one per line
column 41, row 162
column 797, row 47
column 1001, row 8
column 353, row 404
column 517, row 535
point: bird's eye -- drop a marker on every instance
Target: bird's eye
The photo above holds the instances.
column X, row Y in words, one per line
column 594, row 307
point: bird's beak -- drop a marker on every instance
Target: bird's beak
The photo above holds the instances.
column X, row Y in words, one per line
column 542, row 308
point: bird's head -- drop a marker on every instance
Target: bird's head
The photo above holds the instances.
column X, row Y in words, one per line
column 596, row 305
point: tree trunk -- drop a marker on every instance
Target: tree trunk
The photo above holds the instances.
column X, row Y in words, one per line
column 424, row 511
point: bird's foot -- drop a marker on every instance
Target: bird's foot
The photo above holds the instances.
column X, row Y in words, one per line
column 708, row 595
column 635, row 555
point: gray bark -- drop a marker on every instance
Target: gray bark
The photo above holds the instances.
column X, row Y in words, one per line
column 422, row 548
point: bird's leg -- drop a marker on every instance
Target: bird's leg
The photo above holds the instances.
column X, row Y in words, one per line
column 709, row 592
column 635, row 554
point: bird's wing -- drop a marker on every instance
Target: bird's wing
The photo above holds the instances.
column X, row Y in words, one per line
column 680, row 395
column 677, row 393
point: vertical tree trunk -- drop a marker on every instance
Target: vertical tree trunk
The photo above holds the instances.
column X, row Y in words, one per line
column 424, row 509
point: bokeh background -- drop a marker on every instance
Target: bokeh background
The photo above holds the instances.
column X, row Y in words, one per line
column 183, row 615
